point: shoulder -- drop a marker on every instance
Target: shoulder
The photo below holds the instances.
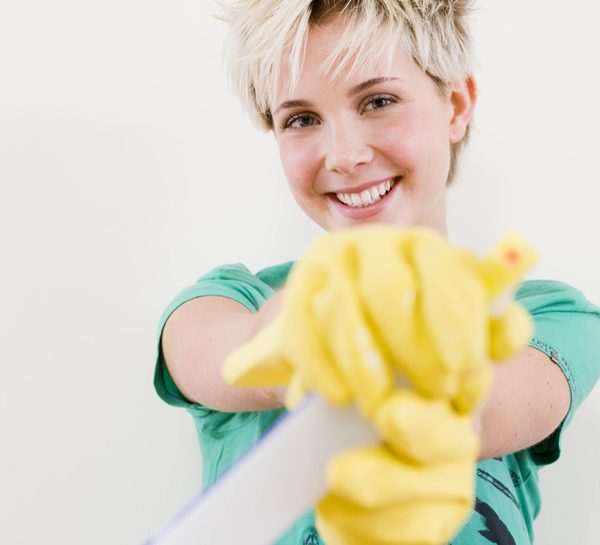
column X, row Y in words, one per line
column 276, row 275
column 552, row 295
column 566, row 323
column 233, row 281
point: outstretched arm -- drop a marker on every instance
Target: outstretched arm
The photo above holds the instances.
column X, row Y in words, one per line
column 529, row 398
column 198, row 337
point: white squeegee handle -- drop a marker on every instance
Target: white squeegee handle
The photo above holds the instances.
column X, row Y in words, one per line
column 280, row 479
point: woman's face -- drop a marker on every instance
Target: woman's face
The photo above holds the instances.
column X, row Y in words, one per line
column 371, row 147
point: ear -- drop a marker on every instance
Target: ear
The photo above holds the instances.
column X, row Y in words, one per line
column 463, row 96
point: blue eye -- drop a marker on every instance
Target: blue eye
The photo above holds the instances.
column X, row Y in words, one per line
column 300, row 121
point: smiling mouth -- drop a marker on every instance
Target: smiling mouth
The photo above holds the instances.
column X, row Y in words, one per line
column 368, row 196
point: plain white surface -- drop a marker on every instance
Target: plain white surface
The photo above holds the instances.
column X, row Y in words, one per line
column 128, row 169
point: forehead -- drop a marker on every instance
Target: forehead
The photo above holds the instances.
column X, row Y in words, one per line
column 332, row 57
column 330, row 53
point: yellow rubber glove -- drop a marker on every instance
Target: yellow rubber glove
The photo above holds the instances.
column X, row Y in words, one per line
column 367, row 313
column 418, row 488
column 380, row 498
column 371, row 306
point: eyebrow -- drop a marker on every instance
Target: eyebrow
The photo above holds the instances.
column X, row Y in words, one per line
column 292, row 104
column 354, row 91
column 368, row 84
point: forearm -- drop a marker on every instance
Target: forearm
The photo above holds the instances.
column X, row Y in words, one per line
column 198, row 338
column 529, row 399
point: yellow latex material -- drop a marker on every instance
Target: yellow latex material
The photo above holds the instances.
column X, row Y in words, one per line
column 428, row 522
column 417, row 488
column 377, row 498
column 401, row 323
column 371, row 304
column 506, row 264
column 425, row 431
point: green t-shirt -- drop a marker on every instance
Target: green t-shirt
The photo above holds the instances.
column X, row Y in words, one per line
column 507, row 493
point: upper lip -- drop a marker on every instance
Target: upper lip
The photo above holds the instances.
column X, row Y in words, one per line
column 362, row 187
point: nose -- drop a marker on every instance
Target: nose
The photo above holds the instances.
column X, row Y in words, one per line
column 346, row 149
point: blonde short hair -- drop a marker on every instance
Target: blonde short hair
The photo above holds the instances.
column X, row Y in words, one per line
column 264, row 34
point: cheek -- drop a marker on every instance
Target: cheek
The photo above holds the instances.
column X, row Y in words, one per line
column 418, row 143
column 300, row 164
column 399, row 140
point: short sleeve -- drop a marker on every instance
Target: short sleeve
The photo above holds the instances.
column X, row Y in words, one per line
column 567, row 330
column 232, row 281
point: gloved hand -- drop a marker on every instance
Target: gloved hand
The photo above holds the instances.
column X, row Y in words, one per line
column 418, row 488
column 372, row 307
column 400, row 322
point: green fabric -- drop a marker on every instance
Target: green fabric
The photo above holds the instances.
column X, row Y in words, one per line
column 507, row 488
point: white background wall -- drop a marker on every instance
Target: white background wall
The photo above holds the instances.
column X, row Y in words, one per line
column 127, row 169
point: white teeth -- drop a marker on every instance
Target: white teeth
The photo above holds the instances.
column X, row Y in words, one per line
column 366, row 197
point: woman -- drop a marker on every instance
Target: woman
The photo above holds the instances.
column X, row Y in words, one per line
column 370, row 102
